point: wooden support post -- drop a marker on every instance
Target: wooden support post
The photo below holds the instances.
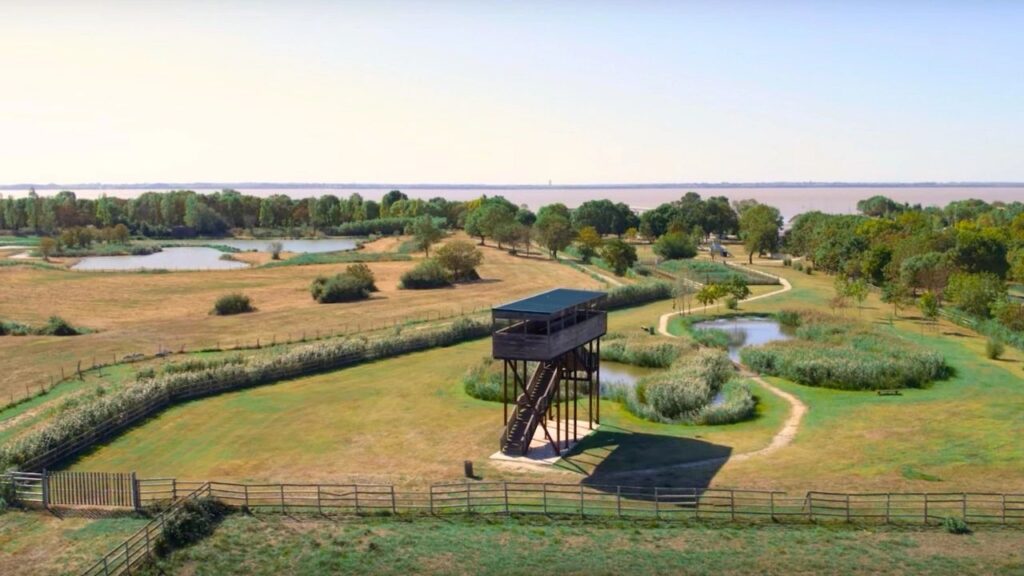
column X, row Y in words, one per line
column 282, row 498
column 136, row 497
column 431, row 499
column 888, row 507
column 847, row 508
column 356, row 487
column 45, row 486
column 246, row 488
column 732, row 505
column 926, row 508
column 545, row 493
column 394, row 502
column 319, row 506
column 505, row 486
column 963, row 505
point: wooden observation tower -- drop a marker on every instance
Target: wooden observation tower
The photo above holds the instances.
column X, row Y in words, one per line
column 556, row 335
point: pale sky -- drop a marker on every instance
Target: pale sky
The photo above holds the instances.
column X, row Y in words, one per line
column 511, row 92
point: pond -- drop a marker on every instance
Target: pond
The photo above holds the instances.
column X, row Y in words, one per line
column 299, row 245
column 614, row 374
column 746, row 331
column 183, row 258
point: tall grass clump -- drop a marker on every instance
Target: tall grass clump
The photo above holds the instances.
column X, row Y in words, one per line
column 639, row 293
column 697, row 390
column 57, row 326
column 483, row 382
column 643, row 350
column 199, row 364
column 193, row 521
column 711, row 337
column 147, row 397
column 355, row 283
column 847, row 356
column 229, row 304
column 994, row 348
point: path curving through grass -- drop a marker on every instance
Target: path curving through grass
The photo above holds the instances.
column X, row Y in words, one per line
column 781, row 439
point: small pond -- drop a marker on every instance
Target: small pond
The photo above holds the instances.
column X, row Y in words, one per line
column 183, row 258
column 747, row 331
column 299, row 245
column 616, row 373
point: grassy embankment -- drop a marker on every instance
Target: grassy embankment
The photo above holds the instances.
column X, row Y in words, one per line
column 42, row 543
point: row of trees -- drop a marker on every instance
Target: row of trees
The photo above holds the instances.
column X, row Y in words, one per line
column 962, row 254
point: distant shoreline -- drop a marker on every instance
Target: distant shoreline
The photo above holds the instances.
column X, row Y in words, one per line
column 434, row 186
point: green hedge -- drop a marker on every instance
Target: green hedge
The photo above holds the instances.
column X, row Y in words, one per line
column 640, row 293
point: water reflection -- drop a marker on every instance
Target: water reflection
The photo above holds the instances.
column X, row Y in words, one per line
column 184, row 258
column 748, row 331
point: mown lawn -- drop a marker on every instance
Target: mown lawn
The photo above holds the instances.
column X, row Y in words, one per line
column 255, row 545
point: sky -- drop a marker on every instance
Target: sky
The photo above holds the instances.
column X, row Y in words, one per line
column 511, row 92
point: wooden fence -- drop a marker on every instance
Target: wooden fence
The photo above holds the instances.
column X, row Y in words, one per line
column 525, row 498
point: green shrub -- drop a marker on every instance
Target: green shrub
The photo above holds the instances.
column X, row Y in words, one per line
column 789, row 318
column 364, row 274
column 994, row 348
column 711, row 337
column 427, row 274
column 955, row 525
column 798, row 266
column 732, row 303
column 57, row 326
column 787, row 261
column 195, row 520
column 483, row 382
column 339, row 288
column 229, row 304
column 679, row 394
column 675, row 246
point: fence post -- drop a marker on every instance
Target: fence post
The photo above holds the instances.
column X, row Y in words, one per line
column 618, row 501
column 106, row 567
column 45, row 486
column 469, row 500
column 963, row 505
column 581, row 502
column 888, row 502
column 732, row 505
column 282, row 497
column 771, row 506
column 394, row 504
column 657, row 508
column 505, row 486
column 809, row 500
column 926, row 508
column 127, row 559
column 431, row 499
column 356, row 486
column 545, row 492
column 246, row 488
column 1003, row 508
column 319, row 507
column 174, row 489
column 847, row 508
column 136, row 497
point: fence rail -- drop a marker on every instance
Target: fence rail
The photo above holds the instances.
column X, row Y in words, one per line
column 525, row 498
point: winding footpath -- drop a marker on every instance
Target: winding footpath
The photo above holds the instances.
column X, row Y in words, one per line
column 781, row 439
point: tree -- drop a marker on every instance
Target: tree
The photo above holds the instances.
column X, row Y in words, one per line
column 878, row 206
column 426, row 233
column 759, row 229
column 588, row 242
column 899, row 294
column 928, row 304
column 619, row 255
column 709, row 294
column 488, row 218
column 675, row 245
column 554, row 231
column 737, row 287
column 47, row 246
column 683, row 290
column 975, row 293
column 460, row 258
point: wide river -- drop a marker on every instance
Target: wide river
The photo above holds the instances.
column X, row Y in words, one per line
column 790, row 200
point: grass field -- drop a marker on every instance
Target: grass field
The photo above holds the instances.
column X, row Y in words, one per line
column 255, row 545
column 42, row 543
column 133, row 312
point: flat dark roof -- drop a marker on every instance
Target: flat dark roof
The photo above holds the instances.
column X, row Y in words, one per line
column 550, row 302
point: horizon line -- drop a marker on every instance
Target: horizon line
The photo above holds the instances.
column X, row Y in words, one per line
column 219, row 185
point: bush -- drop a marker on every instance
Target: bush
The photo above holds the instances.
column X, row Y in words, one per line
column 787, row 261
column 789, row 318
column 675, row 246
column 57, row 326
column 736, row 403
column 427, row 274
column 994, row 348
column 195, row 520
column 711, row 337
column 460, row 258
column 732, row 303
column 381, row 226
column 364, row 274
column 340, row 288
column 229, row 304
column 483, row 383
column 955, row 525
column 798, row 266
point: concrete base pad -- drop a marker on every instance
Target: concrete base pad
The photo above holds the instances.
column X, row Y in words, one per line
column 542, row 452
